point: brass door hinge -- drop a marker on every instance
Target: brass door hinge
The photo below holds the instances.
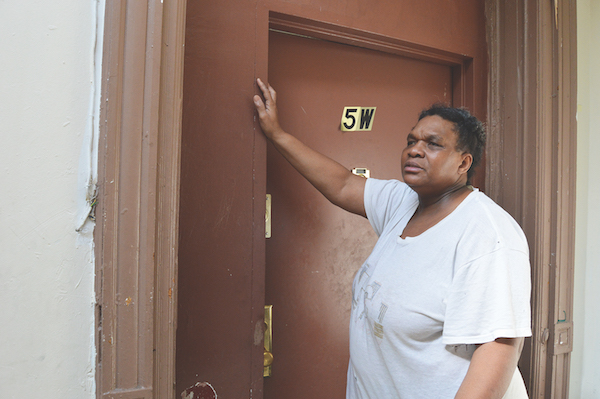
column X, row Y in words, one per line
column 268, row 217
column 268, row 353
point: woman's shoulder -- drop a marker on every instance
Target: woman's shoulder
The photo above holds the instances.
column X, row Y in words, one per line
column 388, row 188
column 386, row 201
column 486, row 221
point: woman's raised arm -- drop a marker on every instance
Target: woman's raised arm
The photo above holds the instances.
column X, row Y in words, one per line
column 335, row 182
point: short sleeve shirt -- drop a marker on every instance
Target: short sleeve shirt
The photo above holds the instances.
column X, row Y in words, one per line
column 420, row 304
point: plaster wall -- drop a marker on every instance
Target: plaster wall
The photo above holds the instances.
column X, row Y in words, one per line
column 585, row 360
column 48, row 81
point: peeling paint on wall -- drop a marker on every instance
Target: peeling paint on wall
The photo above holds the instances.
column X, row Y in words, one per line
column 88, row 162
column 201, row 390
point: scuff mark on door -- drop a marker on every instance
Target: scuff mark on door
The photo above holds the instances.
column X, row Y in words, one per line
column 201, row 390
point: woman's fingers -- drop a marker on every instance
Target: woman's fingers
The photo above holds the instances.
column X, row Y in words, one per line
column 273, row 94
column 267, row 109
column 263, row 88
column 258, row 103
column 268, row 92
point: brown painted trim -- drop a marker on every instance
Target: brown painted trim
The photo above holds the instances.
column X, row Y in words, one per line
column 565, row 99
column 136, row 233
column 167, row 210
column 531, row 165
column 541, row 214
column 494, row 116
column 129, row 394
column 341, row 34
column 461, row 64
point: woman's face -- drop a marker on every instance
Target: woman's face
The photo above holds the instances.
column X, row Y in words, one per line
column 431, row 164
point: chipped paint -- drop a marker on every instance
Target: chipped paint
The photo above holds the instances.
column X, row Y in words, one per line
column 201, row 390
column 259, row 333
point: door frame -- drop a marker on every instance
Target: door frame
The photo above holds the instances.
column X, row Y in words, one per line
column 462, row 73
column 460, row 69
column 532, row 57
column 137, row 215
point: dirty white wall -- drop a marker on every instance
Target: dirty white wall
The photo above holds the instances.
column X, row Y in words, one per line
column 585, row 361
column 48, row 80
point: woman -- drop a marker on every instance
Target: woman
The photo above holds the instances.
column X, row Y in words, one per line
column 441, row 306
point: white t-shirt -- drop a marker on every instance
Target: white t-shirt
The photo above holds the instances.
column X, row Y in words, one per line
column 421, row 304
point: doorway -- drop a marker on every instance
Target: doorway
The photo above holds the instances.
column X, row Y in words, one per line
column 223, row 281
column 226, row 46
column 316, row 248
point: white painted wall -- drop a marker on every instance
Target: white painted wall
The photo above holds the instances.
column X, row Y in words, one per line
column 47, row 106
column 585, row 361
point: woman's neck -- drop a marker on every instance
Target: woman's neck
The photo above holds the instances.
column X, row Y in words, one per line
column 451, row 196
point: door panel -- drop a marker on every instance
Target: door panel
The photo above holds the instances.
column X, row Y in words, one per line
column 315, row 247
column 221, row 254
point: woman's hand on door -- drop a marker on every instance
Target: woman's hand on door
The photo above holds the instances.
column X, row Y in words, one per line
column 267, row 110
column 333, row 180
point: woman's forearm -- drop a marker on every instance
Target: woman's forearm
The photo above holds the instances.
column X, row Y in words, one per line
column 491, row 370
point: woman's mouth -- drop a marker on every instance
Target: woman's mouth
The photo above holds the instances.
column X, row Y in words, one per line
column 412, row 167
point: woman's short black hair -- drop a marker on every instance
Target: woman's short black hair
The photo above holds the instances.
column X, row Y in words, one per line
column 470, row 131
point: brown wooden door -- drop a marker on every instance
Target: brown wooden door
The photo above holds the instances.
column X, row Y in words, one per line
column 316, row 248
column 397, row 56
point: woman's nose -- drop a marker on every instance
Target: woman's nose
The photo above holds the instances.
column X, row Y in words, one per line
column 416, row 150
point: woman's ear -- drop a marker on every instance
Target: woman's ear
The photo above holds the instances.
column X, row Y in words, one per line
column 465, row 165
